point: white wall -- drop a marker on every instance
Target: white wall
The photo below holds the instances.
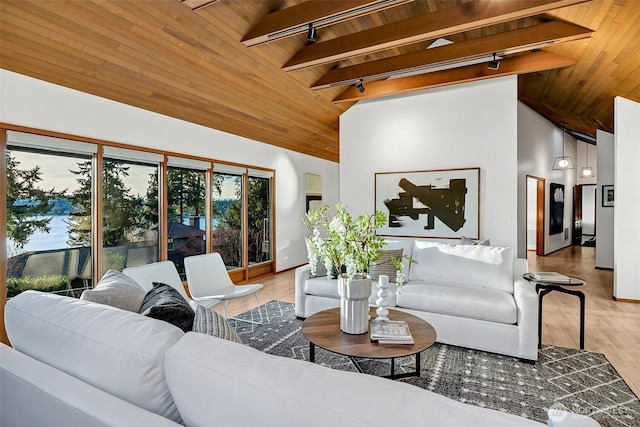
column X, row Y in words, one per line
column 461, row 126
column 34, row 103
column 532, row 208
column 604, row 215
column 539, row 143
column 626, row 281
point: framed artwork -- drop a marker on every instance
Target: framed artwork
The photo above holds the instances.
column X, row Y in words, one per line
column 436, row 204
column 607, row 196
column 556, row 208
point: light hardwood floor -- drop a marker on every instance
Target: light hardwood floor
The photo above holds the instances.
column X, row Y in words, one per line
column 611, row 328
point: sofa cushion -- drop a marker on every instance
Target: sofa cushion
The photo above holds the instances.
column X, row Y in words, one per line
column 117, row 351
column 163, row 302
column 117, row 290
column 472, row 302
column 212, row 323
column 325, row 287
column 235, row 385
column 385, row 265
column 474, row 265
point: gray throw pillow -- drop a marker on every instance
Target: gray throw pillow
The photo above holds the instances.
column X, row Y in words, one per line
column 467, row 241
column 163, row 302
column 385, row 265
column 117, row 290
column 212, row 323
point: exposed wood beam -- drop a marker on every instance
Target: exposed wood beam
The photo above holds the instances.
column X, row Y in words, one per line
column 502, row 44
column 441, row 23
column 294, row 20
column 522, row 64
column 197, row 4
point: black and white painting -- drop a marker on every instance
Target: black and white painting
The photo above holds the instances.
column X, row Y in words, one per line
column 435, row 204
column 556, row 207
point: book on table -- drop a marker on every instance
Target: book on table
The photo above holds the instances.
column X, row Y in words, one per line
column 550, row 276
column 390, row 332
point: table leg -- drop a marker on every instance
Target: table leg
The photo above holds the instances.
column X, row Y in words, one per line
column 393, row 368
column 540, row 296
column 312, row 352
column 417, row 356
column 581, row 296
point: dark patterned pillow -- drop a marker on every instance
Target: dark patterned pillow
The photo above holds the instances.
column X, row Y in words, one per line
column 210, row 322
column 163, row 302
column 385, row 265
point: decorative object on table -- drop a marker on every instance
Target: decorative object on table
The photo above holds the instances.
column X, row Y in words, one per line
column 415, row 199
column 608, row 198
column 351, row 246
column 549, row 276
column 382, row 302
column 390, row 332
column 556, row 203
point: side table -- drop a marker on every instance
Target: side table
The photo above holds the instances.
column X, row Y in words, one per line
column 543, row 287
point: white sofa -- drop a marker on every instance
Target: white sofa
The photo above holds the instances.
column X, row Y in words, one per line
column 473, row 295
column 78, row 363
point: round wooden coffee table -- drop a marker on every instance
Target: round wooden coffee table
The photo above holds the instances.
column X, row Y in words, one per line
column 323, row 329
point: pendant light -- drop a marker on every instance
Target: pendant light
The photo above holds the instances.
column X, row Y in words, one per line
column 587, row 171
column 563, row 162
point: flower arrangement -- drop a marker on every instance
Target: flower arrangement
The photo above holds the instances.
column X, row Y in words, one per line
column 349, row 244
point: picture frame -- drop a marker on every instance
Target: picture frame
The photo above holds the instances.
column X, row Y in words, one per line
column 443, row 204
column 556, row 208
column 608, row 196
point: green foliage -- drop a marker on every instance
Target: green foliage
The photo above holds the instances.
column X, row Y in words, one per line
column 24, row 219
column 342, row 240
column 185, row 195
column 122, row 213
column 17, row 285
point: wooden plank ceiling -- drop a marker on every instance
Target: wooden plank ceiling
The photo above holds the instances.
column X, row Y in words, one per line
column 216, row 63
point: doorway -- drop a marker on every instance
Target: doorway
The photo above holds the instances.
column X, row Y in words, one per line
column 535, row 214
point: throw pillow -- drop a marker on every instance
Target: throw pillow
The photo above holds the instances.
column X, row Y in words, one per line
column 117, row 290
column 385, row 265
column 212, row 323
column 163, row 302
column 467, row 241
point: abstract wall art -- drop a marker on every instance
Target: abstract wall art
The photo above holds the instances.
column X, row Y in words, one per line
column 556, row 208
column 436, row 204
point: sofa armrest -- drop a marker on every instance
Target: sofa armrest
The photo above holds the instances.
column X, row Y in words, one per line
column 526, row 300
column 303, row 273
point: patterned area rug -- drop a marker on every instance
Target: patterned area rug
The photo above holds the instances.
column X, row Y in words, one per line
column 581, row 381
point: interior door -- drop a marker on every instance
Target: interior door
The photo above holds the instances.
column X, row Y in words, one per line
column 577, row 215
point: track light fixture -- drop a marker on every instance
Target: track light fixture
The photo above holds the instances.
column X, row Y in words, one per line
column 311, row 33
column 494, row 64
column 563, row 162
column 360, row 86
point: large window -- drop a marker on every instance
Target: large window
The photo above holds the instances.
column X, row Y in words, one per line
column 186, row 212
column 77, row 209
column 129, row 210
column 228, row 217
column 259, row 211
column 48, row 222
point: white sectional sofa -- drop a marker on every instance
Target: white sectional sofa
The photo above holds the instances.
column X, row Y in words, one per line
column 473, row 295
column 78, row 363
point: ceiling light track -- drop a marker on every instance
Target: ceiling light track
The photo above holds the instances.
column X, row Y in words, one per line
column 297, row 19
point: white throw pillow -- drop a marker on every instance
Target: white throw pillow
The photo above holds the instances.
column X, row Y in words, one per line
column 117, row 290
column 471, row 265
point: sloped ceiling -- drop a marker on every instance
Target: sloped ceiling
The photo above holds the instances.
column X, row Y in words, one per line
column 163, row 56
